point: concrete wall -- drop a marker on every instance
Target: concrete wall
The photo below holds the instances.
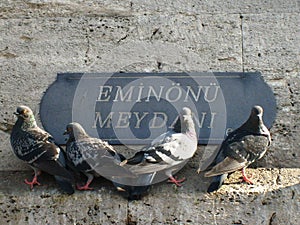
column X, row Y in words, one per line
column 40, row 38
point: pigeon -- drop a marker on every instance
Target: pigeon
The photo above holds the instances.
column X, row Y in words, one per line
column 169, row 152
column 37, row 148
column 242, row 147
column 92, row 156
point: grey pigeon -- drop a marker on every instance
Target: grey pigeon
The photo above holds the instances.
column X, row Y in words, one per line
column 92, row 156
column 37, row 148
column 169, row 152
column 242, row 147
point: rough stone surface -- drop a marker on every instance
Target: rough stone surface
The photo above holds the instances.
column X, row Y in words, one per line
column 40, row 38
column 45, row 205
column 274, row 199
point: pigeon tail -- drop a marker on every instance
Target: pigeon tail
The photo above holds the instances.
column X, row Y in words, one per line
column 65, row 185
column 137, row 192
column 132, row 192
column 216, row 183
column 134, row 188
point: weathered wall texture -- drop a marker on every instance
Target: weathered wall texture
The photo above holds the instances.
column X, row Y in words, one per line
column 40, row 38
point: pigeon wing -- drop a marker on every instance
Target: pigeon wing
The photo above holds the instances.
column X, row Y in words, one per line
column 238, row 154
column 219, row 155
column 30, row 145
column 248, row 148
column 159, row 157
column 147, row 168
column 100, row 157
column 49, row 162
column 226, row 166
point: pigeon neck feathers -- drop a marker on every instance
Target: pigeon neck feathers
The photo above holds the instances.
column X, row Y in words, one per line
column 177, row 126
column 184, row 123
column 26, row 118
column 187, row 123
column 26, row 124
column 255, row 124
column 79, row 134
column 189, row 127
column 31, row 123
column 252, row 125
column 76, row 132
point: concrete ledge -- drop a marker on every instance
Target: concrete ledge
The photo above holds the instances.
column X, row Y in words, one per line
column 274, row 199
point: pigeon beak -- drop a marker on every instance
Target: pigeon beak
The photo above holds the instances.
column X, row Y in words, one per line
column 65, row 133
column 16, row 113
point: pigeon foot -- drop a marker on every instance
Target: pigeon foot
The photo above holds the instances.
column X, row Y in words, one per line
column 245, row 178
column 175, row 181
column 84, row 188
column 33, row 182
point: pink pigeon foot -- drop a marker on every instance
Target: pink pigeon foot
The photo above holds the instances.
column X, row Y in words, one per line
column 85, row 187
column 176, row 182
column 33, row 182
column 245, row 178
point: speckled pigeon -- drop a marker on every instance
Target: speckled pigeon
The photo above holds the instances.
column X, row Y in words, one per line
column 92, row 156
column 37, row 148
column 168, row 153
column 242, row 147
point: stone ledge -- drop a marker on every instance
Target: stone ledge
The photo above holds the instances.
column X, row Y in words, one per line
column 274, row 199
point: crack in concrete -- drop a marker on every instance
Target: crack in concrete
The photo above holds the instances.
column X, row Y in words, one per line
column 129, row 220
column 154, row 33
column 242, row 40
column 87, row 60
column 127, row 212
column 214, row 212
column 291, row 97
column 272, row 218
column 122, row 38
column 278, row 178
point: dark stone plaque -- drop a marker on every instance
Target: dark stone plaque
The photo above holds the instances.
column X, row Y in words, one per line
column 134, row 108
